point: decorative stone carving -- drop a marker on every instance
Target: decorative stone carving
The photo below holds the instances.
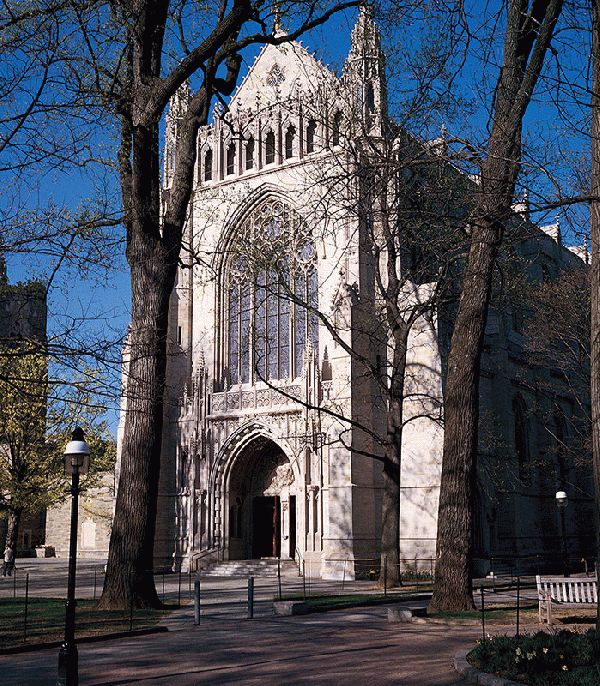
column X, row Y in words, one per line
column 263, row 397
column 233, row 401
column 218, row 402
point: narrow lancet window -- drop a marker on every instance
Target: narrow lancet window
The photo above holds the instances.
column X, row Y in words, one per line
column 231, row 159
column 270, row 148
column 250, row 153
column 290, row 134
column 208, row 160
column 310, row 135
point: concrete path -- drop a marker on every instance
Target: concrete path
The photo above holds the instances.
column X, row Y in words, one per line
column 346, row 647
column 343, row 647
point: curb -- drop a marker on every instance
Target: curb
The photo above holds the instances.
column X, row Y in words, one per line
column 474, row 676
column 30, row 647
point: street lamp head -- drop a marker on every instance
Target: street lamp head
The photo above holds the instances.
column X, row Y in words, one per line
column 77, row 454
column 562, row 499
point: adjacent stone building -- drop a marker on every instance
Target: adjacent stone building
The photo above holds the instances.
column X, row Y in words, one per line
column 23, row 316
column 269, row 416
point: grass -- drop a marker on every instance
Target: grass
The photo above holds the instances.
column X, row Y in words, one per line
column 346, row 598
column 46, row 620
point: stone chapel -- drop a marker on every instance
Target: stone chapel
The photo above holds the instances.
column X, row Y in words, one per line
column 253, row 466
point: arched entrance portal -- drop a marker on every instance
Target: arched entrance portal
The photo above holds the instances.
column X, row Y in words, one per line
column 262, row 503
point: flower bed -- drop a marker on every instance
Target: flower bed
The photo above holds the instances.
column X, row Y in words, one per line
column 565, row 658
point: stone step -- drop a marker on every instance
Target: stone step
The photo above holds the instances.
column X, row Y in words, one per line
column 264, row 567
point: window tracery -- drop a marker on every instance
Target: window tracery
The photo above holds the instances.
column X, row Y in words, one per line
column 271, row 288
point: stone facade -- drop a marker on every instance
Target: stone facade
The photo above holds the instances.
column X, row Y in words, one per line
column 269, row 417
column 95, row 517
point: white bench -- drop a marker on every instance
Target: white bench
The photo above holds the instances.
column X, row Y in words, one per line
column 566, row 592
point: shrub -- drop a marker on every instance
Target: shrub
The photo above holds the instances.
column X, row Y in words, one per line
column 562, row 659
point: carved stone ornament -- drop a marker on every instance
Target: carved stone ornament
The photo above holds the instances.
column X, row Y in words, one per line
column 276, row 76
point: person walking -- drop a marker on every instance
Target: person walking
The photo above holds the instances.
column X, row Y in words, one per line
column 9, row 559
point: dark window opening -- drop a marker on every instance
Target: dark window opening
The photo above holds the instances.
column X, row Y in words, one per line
column 310, row 135
column 289, row 142
column 231, row 159
column 335, row 136
column 208, row 160
column 250, row 153
column 370, row 98
column 270, row 148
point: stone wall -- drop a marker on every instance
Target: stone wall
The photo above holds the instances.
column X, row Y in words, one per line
column 95, row 517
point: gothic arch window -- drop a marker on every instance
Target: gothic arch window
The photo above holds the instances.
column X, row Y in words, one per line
column 269, row 148
column 290, row 135
column 250, row 153
column 271, row 284
column 310, row 135
column 231, row 159
column 335, row 129
column 521, row 435
column 208, row 164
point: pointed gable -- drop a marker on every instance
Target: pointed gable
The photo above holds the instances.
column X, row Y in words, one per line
column 280, row 73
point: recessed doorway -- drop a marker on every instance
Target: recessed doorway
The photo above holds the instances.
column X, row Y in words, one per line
column 266, row 527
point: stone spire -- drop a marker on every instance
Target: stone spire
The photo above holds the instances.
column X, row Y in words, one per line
column 365, row 73
column 177, row 107
column 278, row 29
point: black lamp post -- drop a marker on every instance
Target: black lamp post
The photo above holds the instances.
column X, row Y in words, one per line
column 77, row 459
column 562, row 501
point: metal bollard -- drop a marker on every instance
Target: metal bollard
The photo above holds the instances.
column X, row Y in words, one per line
column 518, row 602
column 482, row 612
column 179, row 590
column 26, row 607
column 303, row 579
column 14, row 571
column 385, row 576
column 197, row 601
column 250, row 597
column 94, row 584
column 279, row 577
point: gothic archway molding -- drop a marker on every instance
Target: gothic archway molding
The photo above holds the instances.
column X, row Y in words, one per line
column 236, row 444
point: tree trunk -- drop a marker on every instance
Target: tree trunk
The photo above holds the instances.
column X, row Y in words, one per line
column 461, row 410
column 12, row 529
column 529, row 30
column 595, row 273
column 129, row 575
column 390, row 523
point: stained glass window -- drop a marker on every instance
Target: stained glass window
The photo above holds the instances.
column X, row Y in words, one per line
column 272, row 286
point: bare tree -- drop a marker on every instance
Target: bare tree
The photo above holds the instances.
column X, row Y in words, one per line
column 528, row 34
column 595, row 268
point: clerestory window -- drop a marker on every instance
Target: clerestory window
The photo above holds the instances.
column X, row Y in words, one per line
column 271, row 297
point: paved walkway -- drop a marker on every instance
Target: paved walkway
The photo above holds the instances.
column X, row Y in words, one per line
column 356, row 646
column 342, row 647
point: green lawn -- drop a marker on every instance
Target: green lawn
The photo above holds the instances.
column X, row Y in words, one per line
column 46, row 620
